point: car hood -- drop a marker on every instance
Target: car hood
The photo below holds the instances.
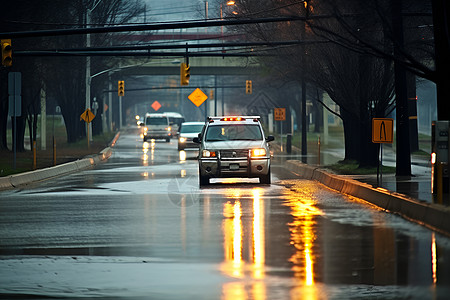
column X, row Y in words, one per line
column 189, row 135
column 234, row 145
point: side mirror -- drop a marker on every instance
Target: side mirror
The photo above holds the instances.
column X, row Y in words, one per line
column 140, row 124
column 196, row 140
column 270, row 138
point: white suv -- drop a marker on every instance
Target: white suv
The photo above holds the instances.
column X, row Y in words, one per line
column 233, row 147
column 156, row 127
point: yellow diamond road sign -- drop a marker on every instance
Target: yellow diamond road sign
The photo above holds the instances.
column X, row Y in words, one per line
column 197, row 97
column 87, row 116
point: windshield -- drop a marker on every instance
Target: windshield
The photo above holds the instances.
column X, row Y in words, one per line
column 156, row 121
column 176, row 120
column 191, row 128
column 233, row 132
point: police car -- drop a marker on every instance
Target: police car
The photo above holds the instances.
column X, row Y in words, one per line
column 234, row 147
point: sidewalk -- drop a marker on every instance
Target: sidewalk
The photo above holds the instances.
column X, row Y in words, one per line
column 410, row 197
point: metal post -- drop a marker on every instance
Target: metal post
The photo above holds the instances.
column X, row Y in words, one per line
column 110, row 105
column 43, row 120
column 439, row 183
column 318, row 146
column 88, row 70
column 215, row 95
column 120, row 112
column 223, row 103
column 281, row 135
column 34, row 155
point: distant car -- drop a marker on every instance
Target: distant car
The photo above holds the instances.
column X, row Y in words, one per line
column 234, row 147
column 188, row 131
column 156, row 127
column 175, row 120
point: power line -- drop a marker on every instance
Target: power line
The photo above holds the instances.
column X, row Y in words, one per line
column 148, row 27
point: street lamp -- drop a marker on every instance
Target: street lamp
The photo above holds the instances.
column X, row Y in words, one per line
column 88, row 65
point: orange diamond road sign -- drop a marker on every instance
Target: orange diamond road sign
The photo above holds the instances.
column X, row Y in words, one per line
column 197, row 97
column 87, row 116
column 382, row 130
column 156, row 105
column 280, row 114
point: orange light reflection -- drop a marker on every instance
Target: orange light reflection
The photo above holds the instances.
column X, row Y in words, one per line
column 434, row 258
column 244, row 257
column 302, row 228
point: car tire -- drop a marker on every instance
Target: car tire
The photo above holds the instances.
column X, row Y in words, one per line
column 265, row 179
column 203, row 180
column 167, row 140
column 144, row 140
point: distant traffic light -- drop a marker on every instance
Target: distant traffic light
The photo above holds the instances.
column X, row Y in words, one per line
column 248, row 86
column 185, row 73
column 121, row 88
column 6, row 53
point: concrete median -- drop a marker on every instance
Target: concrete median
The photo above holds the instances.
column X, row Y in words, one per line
column 432, row 215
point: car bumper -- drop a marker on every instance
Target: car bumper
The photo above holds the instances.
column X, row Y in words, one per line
column 244, row 167
column 187, row 145
column 157, row 135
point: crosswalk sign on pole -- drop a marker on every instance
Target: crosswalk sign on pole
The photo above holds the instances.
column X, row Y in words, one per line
column 382, row 130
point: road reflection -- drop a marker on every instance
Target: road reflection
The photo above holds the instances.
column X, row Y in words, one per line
column 302, row 228
column 238, row 239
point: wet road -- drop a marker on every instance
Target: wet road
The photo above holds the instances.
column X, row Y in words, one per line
column 139, row 227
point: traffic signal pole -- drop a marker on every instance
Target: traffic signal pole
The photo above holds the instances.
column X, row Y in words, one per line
column 88, row 75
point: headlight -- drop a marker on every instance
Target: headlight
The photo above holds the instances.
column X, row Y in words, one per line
column 168, row 128
column 207, row 153
column 258, row 152
column 182, row 139
column 145, row 128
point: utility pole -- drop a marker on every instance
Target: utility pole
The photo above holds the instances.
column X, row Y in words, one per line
column 403, row 153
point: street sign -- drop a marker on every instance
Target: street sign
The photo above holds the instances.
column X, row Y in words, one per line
column 280, row 114
column 87, row 116
column 156, row 105
column 382, row 130
column 197, row 97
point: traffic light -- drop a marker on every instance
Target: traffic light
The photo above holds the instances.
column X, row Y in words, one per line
column 185, row 73
column 121, row 89
column 6, row 53
column 248, row 86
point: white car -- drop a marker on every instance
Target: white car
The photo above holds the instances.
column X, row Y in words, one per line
column 156, row 127
column 188, row 131
column 234, row 147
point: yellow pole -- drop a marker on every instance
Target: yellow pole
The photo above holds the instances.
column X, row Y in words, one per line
column 88, row 134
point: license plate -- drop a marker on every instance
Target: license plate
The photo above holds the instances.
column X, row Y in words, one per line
column 234, row 167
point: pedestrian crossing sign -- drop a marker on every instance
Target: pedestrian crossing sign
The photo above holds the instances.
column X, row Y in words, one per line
column 382, row 130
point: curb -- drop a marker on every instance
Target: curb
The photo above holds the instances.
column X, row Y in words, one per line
column 17, row 180
column 433, row 215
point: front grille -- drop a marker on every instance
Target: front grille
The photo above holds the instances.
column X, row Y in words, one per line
column 234, row 153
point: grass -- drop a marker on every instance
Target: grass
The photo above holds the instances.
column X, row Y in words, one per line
column 65, row 152
column 352, row 168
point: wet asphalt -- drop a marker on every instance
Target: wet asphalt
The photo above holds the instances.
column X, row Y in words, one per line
column 139, row 227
